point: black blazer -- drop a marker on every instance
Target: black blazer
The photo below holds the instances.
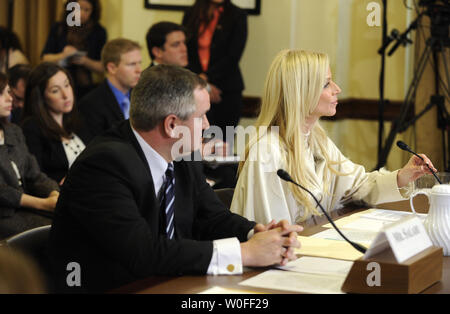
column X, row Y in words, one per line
column 108, row 219
column 100, row 109
column 227, row 47
column 57, row 40
column 34, row 182
column 50, row 153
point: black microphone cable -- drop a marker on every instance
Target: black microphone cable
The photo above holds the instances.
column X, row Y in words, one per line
column 286, row 177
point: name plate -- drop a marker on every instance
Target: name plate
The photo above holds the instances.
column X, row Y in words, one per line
column 405, row 238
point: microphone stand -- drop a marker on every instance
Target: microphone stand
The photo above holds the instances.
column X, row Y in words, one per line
column 403, row 39
column 10, row 14
column 386, row 42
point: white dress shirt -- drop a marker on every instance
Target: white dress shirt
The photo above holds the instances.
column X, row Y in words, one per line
column 226, row 258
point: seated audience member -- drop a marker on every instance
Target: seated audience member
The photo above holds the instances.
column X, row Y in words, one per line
column 10, row 50
column 78, row 48
column 166, row 43
column 52, row 128
column 109, row 103
column 17, row 76
column 129, row 211
column 217, row 34
column 27, row 196
column 298, row 91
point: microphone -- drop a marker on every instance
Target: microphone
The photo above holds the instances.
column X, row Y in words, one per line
column 403, row 146
column 390, row 38
column 286, row 177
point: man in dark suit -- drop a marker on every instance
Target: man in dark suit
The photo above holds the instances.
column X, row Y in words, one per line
column 128, row 211
column 166, row 43
column 109, row 103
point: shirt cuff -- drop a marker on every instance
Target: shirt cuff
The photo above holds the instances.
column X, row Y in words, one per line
column 389, row 190
column 226, row 258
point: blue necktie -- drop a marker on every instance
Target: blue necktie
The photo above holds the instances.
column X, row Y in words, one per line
column 126, row 108
column 168, row 201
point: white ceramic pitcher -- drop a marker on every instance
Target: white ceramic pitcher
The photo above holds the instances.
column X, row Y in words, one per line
column 437, row 222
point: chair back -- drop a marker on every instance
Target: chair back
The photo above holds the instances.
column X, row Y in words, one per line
column 32, row 242
column 225, row 195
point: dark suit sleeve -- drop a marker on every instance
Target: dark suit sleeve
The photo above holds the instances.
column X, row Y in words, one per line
column 215, row 221
column 99, row 40
column 37, row 183
column 53, row 44
column 90, row 109
column 33, row 136
column 113, row 221
column 235, row 49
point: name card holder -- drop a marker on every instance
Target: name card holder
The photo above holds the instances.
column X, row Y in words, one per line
column 400, row 260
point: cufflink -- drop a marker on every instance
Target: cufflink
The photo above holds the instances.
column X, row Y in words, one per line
column 230, row 268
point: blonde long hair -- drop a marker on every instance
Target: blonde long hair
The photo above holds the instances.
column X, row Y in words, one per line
column 292, row 91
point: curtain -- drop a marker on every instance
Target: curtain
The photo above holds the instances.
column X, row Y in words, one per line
column 32, row 20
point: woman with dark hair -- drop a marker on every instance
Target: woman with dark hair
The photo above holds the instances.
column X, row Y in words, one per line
column 51, row 125
column 217, row 33
column 10, row 50
column 78, row 48
column 27, row 196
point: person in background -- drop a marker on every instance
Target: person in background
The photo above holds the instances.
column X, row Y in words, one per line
column 27, row 196
column 109, row 103
column 217, row 34
column 128, row 210
column 298, row 91
column 53, row 130
column 18, row 76
column 11, row 52
column 78, row 48
column 166, row 43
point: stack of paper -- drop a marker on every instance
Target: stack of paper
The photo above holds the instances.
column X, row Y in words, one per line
column 327, row 248
column 372, row 220
column 359, row 236
column 307, row 275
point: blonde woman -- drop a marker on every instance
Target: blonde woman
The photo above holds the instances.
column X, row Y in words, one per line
column 299, row 90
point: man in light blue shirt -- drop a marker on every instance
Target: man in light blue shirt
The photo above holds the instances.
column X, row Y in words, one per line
column 109, row 103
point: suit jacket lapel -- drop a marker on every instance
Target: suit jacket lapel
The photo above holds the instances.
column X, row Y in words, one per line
column 152, row 216
column 183, row 215
column 112, row 102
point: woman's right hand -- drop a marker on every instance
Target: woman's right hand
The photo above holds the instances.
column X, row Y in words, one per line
column 49, row 203
column 46, row 204
column 69, row 50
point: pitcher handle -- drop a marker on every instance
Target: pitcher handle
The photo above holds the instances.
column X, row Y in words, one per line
column 414, row 194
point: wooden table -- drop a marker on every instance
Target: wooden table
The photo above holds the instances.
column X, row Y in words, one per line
column 196, row 284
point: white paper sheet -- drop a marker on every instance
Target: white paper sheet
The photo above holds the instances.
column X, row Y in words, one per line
column 221, row 290
column 389, row 215
column 296, row 282
column 317, row 265
column 359, row 236
column 365, row 224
